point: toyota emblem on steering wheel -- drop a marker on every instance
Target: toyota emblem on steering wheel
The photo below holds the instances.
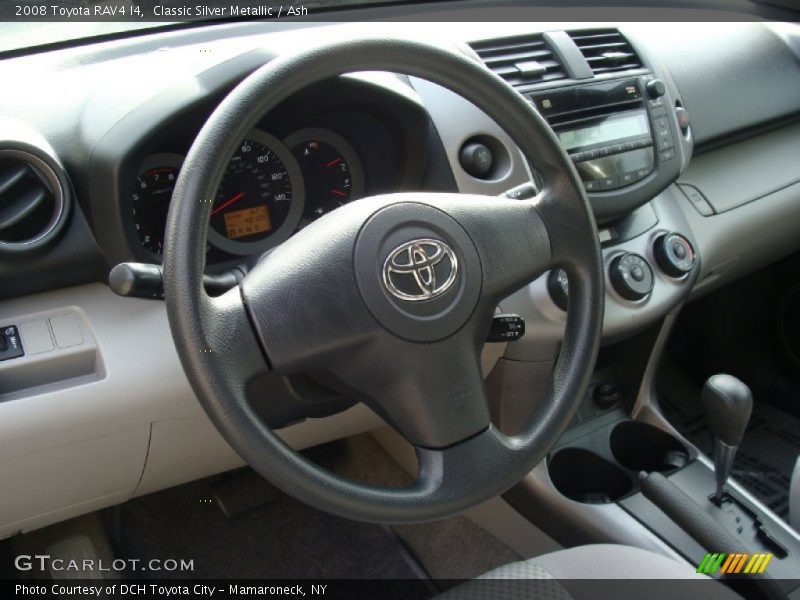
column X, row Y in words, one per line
column 420, row 270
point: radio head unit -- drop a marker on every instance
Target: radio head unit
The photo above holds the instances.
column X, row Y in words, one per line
column 621, row 137
column 610, row 152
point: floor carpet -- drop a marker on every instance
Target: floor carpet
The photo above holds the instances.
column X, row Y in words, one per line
column 284, row 539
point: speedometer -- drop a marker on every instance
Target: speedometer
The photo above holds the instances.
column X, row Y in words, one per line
column 260, row 199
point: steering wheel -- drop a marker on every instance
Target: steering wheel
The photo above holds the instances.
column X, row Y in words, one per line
column 391, row 297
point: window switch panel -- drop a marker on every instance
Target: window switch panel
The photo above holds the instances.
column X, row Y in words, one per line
column 10, row 343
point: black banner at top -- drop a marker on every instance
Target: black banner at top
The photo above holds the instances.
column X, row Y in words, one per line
column 182, row 11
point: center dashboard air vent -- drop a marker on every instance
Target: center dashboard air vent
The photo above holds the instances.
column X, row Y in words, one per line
column 606, row 50
column 521, row 60
column 32, row 201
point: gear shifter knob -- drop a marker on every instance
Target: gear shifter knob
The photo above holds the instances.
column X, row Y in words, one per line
column 728, row 403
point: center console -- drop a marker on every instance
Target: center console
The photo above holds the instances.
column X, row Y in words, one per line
column 619, row 117
column 593, row 487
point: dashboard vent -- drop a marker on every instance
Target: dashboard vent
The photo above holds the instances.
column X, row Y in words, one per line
column 32, row 202
column 606, row 50
column 521, row 60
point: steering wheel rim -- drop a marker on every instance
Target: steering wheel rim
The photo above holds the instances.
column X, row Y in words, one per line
column 223, row 342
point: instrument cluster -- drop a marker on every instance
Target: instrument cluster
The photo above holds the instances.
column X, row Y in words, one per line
column 270, row 189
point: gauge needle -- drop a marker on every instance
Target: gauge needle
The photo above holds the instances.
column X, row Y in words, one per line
column 227, row 203
column 338, row 193
column 333, row 162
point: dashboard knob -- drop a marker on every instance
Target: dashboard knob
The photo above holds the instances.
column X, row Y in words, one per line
column 476, row 159
column 683, row 118
column 655, row 88
column 674, row 254
column 631, row 276
column 606, row 395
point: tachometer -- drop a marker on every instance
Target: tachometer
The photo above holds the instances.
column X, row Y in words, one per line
column 260, row 200
column 331, row 170
column 151, row 196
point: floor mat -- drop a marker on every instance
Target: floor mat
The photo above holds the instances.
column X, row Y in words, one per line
column 284, row 539
column 451, row 549
column 771, row 444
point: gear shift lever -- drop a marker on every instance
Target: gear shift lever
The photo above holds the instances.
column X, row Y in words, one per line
column 728, row 403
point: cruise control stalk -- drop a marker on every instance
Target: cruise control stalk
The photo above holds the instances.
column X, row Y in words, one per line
column 143, row 280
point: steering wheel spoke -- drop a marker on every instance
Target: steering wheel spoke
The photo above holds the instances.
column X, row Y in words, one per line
column 432, row 393
column 510, row 236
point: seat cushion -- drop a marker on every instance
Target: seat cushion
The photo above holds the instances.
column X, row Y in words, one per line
column 596, row 571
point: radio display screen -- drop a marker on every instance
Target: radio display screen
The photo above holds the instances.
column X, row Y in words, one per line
column 610, row 130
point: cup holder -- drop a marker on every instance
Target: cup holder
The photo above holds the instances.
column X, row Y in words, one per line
column 584, row 476
column 642, row 447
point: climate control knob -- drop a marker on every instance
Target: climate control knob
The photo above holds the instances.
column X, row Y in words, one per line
column 631, row 276
column 674, row 254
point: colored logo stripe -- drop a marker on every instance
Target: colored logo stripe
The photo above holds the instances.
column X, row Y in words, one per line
column 731, row 564
column 711, row 563
column 758, row 564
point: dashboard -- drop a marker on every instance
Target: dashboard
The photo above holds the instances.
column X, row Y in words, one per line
column 684, row 178
column 271, row 188
column 303, row 161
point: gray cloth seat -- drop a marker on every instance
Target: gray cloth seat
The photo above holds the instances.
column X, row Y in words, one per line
column 596, row 571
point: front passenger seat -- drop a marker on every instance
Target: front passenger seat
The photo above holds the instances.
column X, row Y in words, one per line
column 614, row 571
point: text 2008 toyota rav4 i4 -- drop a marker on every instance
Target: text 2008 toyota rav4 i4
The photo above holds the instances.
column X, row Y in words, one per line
column 409, row 304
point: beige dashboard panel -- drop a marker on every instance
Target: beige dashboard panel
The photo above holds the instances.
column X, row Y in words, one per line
column 60, row 482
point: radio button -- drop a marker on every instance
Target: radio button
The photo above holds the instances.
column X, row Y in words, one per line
column 593, row 185
column 659, row 111
column 642, row 173
column 664, row 142
column 668, row 154
column 628, row 178
column 609, row 183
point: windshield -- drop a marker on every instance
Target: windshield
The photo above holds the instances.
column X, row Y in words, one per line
column 39, row 24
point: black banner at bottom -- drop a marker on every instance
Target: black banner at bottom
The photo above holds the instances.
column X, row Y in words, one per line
column 335, row 589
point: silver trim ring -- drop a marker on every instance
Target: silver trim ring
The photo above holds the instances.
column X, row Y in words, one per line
column 416, row 258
